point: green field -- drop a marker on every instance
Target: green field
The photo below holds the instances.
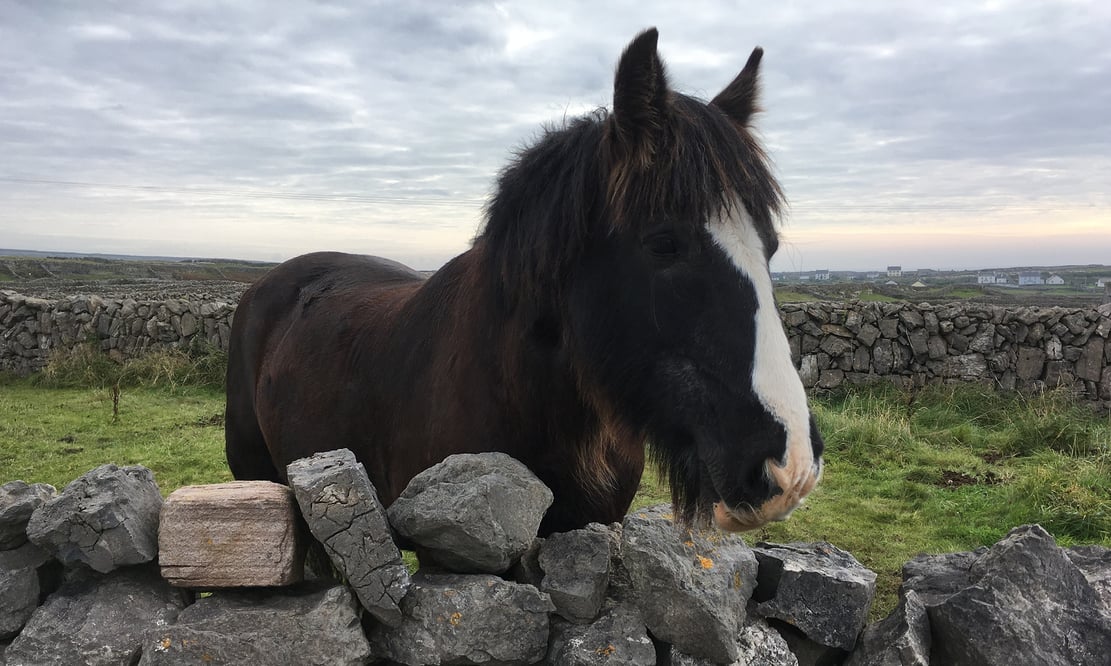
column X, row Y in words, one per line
column 943, row 470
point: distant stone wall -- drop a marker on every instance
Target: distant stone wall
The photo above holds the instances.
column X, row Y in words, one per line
column 1007, row 347
column 32, row 328
column 832, row 343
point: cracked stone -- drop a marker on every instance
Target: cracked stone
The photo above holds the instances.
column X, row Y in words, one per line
column 106, row 519
column 343, row 512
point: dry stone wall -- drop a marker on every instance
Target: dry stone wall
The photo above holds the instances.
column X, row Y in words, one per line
column 643, row 592
column 31, row 328
column 912, row 345
column 833, row 344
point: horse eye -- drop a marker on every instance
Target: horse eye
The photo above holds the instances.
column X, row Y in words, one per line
column 662, row 245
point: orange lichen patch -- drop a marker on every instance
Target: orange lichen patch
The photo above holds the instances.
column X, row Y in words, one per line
column 688, row 544
column 737, row 582
column 668, row 516
column 705, row 562
column 455, row 619
column 166, row 643
column 605, row 651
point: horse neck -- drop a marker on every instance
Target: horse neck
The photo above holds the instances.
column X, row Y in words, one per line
column 488, row 346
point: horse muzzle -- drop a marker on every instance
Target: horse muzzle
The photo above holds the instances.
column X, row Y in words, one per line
column 795, row 483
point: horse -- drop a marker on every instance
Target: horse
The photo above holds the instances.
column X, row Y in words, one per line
column 615, row 307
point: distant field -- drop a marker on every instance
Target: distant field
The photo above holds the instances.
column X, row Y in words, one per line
column 944, row 470
column 51, row 275
column 85, row 272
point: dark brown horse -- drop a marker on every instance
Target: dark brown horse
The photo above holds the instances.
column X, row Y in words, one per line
column 617, row 296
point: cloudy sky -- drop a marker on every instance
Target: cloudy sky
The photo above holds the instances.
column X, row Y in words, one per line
column 931, row 135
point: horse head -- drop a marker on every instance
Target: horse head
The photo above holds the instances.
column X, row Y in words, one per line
column 637, row 243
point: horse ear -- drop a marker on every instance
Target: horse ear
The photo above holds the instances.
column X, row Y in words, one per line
column 640, row 96
column 738, row 100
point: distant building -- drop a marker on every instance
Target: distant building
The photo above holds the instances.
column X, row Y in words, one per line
column 873, row 275
column 894, row 271
column 891, row 283
column 1055, row 279
column 1103, row 282
column 918, row 284
column 804, row 277
column 991, row 278
column 1028, row 279
column 821, row 276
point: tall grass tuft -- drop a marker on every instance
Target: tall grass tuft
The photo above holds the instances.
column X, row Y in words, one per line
column 200, row 365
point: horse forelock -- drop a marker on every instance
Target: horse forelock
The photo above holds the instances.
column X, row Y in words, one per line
column 702, row 165
column 575, row 182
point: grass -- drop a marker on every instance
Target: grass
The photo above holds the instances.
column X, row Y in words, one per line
column 941, row 470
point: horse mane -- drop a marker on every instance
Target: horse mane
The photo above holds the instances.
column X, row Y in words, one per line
column 574, row 184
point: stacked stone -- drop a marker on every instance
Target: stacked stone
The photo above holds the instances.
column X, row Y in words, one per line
column 123, row 328
column 103, row 528
column 489, row 591
column 1022, row 601
column 1024, row 347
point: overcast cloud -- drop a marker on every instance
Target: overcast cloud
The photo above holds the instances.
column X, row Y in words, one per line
column 929, row 135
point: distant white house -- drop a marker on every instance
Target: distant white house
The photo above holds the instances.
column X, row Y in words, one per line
column 1028, row 279
column 991, row 278
column 891, row 283
column 1102, row 282
column 873, row 275
column 894, row 271
column 918, row 284
column 1055, row 279
column 821, row 275
column 804, row 277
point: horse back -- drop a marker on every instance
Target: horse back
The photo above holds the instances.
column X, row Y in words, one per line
column 302, row 321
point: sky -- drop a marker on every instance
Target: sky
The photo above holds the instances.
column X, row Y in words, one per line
column 946, row 135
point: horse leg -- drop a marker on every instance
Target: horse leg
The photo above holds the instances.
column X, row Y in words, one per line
column 248, row 456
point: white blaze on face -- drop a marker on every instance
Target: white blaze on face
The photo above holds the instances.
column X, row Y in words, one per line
column 774, row 379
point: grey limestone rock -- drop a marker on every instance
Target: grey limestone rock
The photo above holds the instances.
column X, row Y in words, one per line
column 1025, row 603
column 106, row 519
column 475, row 619
column 527, row 569
column 690, row 586
column 576, row 567
column 96, row 619
column 310, row 623
column 759, row 644
column 937, row 577
column 1095, row 563
column 343, row 512
column 18, row 500
column 900, row 639
column 816, row 587
column 19, row 596
column 27, row 574
column 472, row 512
column 618, row 636
column 26, row 556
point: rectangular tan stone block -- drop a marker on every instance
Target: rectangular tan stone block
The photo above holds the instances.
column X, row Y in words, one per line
column 238, row 534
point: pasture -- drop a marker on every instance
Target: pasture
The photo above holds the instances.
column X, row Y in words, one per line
column 946, row 469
